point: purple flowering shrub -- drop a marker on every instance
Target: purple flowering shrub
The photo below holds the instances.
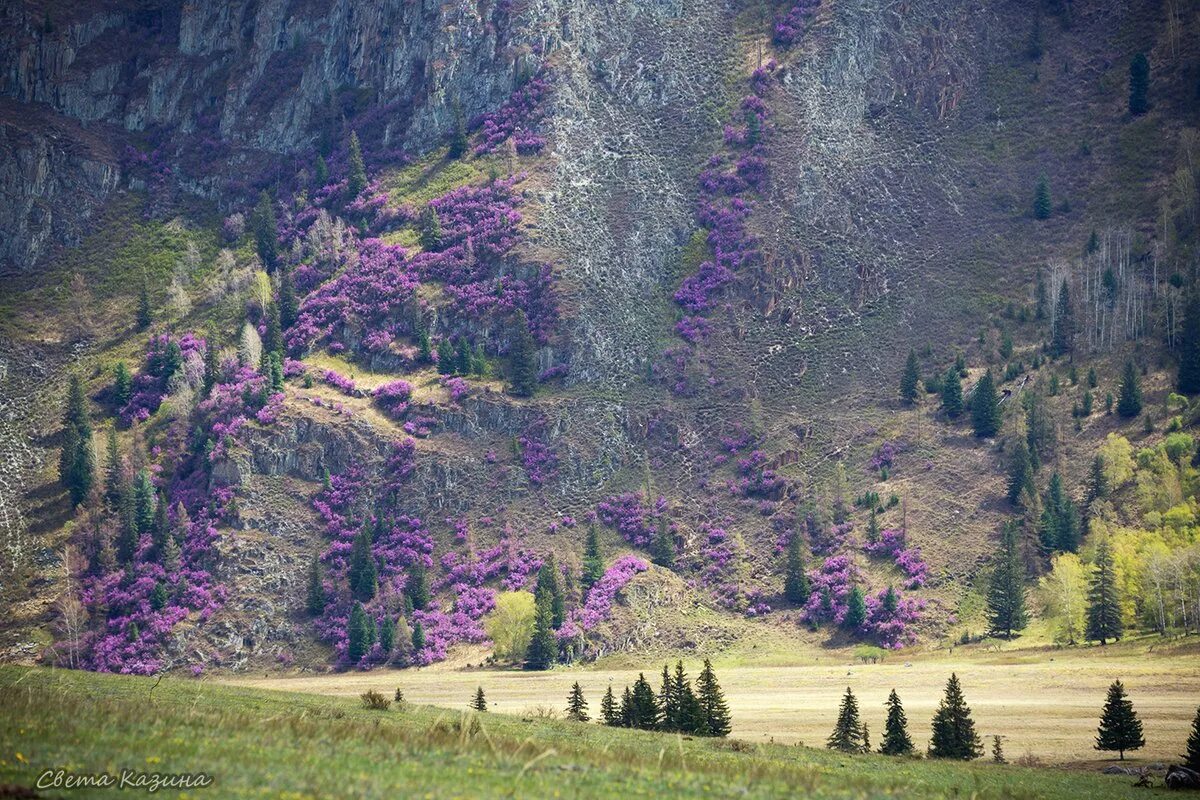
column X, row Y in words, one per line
column 630, row 515
column 597, row 608
column 457, row 387
column 790, row 26
column 892, row 544
column 891, row 620
column 393, row 398
column 722, row 557
column 831, row 583
column 166, row 357
column 537, row 456
column 883, row 457
column 754, row 479
column 518, row 117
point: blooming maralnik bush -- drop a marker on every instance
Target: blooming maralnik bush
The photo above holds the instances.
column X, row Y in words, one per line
column 393, row 398
column 891, row 619
column 519, row 118
column 537, row 456
column 830, row 583
column 597, row 607
column 167, row 357
column 884, row 457
column 790, row 26
column 457, row 387
column 632, row 518
column 722, row 557
column 892, row 544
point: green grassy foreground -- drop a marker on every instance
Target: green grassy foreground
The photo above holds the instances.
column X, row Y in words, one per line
column 257, row 743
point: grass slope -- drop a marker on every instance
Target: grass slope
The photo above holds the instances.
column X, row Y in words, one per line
column 274, row 744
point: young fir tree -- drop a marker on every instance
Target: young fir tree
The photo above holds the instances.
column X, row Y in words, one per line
column 1139, row 85
column 609, row 712
column 360, row 634
column 315, row 599
column 910, row 380
column 985, row 408
column 122, row 387
column 998, row 751
column 1059, row 525
column 1043, row 206
column 693, row 716
column 266, row 231
column 668, row 705
column 848, row 734
column 625, row 712
column 424, row 346
column 548, row 586
column 212, row 366
column 272, row 340
column 795, row 581
column 952, row 399
column 713, row 708
column 143, row 502
column 479, row 701
column 418, row 637
column 361, row 572
column 1188, row 380
column 387, row 636
column 416, row 589
column 77, row 461
column 576, row 705
column 1191, row 757
column 356, row 178
column 1097, row 480
column 1006, row 594
column 1020, row 472
column 543, row 647
column 593, row 559
column 953, row 729
column 662, row 549
column 1062, row 341
column 114, row 472
column 1120, row 729
column 643, row 710
column 458, row 140
column 429, row 229
column 127, row 532
column 169, row 555
column 856, row 610
column 320, row 172
column 462, row 357
column 1129, row 402
column 445, row 354
column 523, row 371
column 896, row 741
column 1104, row 602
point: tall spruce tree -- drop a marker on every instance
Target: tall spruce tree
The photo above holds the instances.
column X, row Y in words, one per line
column 795, row 581
column 985, row 407
column 593, row 559
column 1104, row 602
column 1120, row 729
column 662, row 549
column 416, row 589
column 668, row 706
column 315, row 599
column 848, row 735
column 952, row 399
column 609, row 712
column 1043, row 206
column 643, row 712
column 1129, row 402
column 458, row 140
column 356, row 178
column 387, row 636
column 1188, row 381
column 1059, row 524
column 910, row 380
column 360, row 634
column 114, row 471
column 548, row 585
column 144, row 502
column 625, row 711
column 266, row 231
column 361, row 573
column 77, row 460
column 856, row 610
column 1139, row 85
column 522, row 370
column 479, row 701
column 576, row 704
column 1006, row 594
column 953, row 734
column 543, row 647
column 1191, row 756
column 896, row 741
column 122, row 387
column 429, row 229
column 418, row 637
column 289, row 306
column 145, row 312
column 1062, row 341
column 715, row 711
column 1020, row 472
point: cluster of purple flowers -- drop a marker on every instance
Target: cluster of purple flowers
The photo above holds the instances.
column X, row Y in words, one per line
column 393, row 398
column 721, row 558
column 631, row 516
column 166, row 357
column 518, row 117
column 790, row 25
column 884, row 456
column 892, row 544
column 458, row 387
column 537, row 456
column 831, row 584
column 891, row 619
column 754, row 479
column 597, row 607
column 340, row 382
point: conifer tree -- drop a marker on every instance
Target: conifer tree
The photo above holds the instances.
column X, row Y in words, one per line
column 543, row 647
column 715, row 711
column 1020, row 472
column 424, row 346
column 356, row 178
column 548, row 586
column 1191, row 757
column 361, row 572
column 662, row 549
column 113, row 471
column 795, row 582
column 644, row 711
column 952, row 399
column 462, row 357
column 626, row 713
column 609, row 713
column 169, row 555
column 272, row 341
column 911, row 379
column 953, row 729
column 479, row 702
column 127, row 533
column 985, row 408
column 523, row 372
column 1043, row 206
column 1063, row 340
column 160, row 530
column 266, row 231
column 143, row 502
column 416, row 589
column 212, row 366
column 320, row 172
column 1097, row 480
column 1188, row 381
column 76, row 463
column 1129, row 402
column 1104, row 604
column 1006, row 594
column 387, row 635
column 158, row 596
column 445, row 353
column 848, row 735
column 315, row 598
column 856, row 610
column 896, row 741
column 1139, row 85
column 1120, row 729
column 998, row 751
column 122, row 387
column 1059, row 526
column 360, row 634
column 577, row 705
column 458, row 141
column 429, row 227
column 668, row 707
column 418, row 637
column 593, row 559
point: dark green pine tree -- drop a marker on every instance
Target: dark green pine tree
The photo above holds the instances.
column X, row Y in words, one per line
column 856, row 610
column 76, row 462
column 1043, row 206
column 275, row 372
column 1139, row 85
column 610, row 714
column 160, row 530
column 356, row 178
column 289, row 306
column 1120, row 729
column 1189, row 346
column 1129, row 402
column 315, row 599
column 272, row 340
column 320, row 172
column 543, row 647
column 387, row 635
column 953, row 729
column 550, row 586
column 717, row 720
column 114, row 472
column 662, row 549
column 1059, row 525
column 910, row 380
column 896, row 741
column 212, row 366
column 143, row 502
column 158, row 596
column 626, row 709
column 1104, row 602
column 458, row 140
column 266, row 231
column 361, row 573
column 1191, row 758
column 1062, row 340
column 952, row 399
column 985, row 408
column 1006, row 594
column 424, row 346
column 145, row 313
column 122, row 387
column 429, row 228
column 1097, row 480
column 445, row 353
column 795, row 580
column 360, row 634
column 127, row 532
column 523, row 371
column 416, row 589
column 479, row 701
column 593, row 559
column 462, row 357
column 691, row 716
column 1020, row 472
column 644, row 710
column 169, row 556
column 418, row 637
column 848, row 734
column 668, row 705
column 576, row 704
